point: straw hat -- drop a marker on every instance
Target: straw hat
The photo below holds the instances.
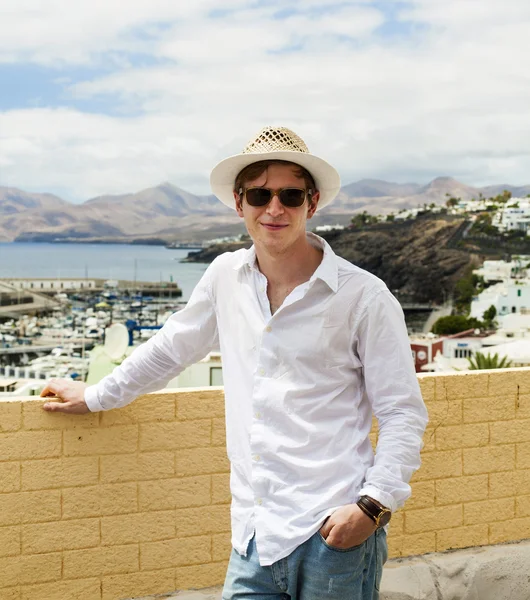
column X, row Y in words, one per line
column 275, row 143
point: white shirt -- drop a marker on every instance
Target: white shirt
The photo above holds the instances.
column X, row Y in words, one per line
column 300, row 389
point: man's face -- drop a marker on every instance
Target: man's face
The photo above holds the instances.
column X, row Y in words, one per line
column 275, row 227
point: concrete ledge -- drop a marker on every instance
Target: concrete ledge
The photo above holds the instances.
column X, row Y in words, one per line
column 483, row 573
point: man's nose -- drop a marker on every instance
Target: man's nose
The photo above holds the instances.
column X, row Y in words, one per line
column 275, row 207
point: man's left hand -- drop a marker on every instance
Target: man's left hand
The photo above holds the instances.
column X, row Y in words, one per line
column 348, row 526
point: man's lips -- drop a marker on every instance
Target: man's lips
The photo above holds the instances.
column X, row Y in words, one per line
column 274, row 226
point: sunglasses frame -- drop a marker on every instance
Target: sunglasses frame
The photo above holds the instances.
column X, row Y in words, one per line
column 277, row 192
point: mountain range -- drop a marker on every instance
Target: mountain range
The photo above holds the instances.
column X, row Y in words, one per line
column 168, row 213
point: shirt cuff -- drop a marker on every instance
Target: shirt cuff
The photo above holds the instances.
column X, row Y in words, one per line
column 92, row 400
column 383, row 498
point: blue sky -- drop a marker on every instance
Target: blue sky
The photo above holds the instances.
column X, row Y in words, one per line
column 99, row 100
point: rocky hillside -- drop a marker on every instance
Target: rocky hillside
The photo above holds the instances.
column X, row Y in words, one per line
column 414, row 258
column 169, row 213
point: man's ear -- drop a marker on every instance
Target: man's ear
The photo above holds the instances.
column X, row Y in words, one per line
column 312, row 204
column 238, row 198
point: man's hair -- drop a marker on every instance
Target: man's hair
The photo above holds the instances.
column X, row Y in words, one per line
column 254, row 170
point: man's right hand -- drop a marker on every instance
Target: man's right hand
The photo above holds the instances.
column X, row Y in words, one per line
column 70, row 393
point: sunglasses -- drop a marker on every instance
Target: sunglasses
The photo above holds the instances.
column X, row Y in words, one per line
column 261, row 196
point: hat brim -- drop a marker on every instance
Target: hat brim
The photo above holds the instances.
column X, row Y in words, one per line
column 223, row 176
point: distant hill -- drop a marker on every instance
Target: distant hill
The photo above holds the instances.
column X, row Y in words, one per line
column 168, row 212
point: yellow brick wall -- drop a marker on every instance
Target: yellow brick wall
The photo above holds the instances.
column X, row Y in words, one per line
column 136, row 501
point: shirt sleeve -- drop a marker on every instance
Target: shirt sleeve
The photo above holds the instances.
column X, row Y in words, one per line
column 392, row 389
column 186, row 337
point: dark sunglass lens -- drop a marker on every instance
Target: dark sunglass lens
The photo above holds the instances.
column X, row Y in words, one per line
column 292, row 197
column 258, row 196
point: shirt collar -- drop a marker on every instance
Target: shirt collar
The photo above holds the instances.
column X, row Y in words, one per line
column 327, row 271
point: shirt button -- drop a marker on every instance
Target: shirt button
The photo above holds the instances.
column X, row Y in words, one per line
column 268, row 329
column 256, row 457
column 257, row 415
column 259, row 501
column 262, row 371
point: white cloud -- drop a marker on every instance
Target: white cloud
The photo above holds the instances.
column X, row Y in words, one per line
column 447, row 93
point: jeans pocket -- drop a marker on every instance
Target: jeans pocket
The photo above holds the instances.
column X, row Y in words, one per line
column 341, row 550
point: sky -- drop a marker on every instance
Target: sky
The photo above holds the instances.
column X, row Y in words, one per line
column 109, row 97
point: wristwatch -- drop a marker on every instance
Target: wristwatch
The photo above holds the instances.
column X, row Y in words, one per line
column 378, row 513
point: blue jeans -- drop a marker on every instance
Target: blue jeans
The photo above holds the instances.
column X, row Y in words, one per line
column 314, row 571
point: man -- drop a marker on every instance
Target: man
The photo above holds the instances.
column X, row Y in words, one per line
column 311, row 347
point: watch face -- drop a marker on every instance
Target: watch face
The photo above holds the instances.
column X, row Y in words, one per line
column 384, row 518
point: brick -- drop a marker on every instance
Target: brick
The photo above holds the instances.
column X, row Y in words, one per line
column 501, row 384
column 103, row 560
column 522, row 506
column 57, row 536
column 427, row 387
column 34, row 418
column 12, row 593
column 432, row 519
column 510, row 531
column 221, row 546
column 38, row 568
column 112, row 440
column 10, row 415
column 523, row 456
column 200, row 461
column 466, row 385
column 429, row 441
column 99, row 500
column 462, row 436
column 419, row 543
column 422, row 495
column 489, row 511
column 9, row 477
column 201, row 576
column 166, row 494
column 10, row 541
column 221, row 489
column 448, row 412
column 200, row 404
column 56, row 473
column 502, row 485
column 489, row 459
column 522, row 407
column 204, row 520
column 440, row 393
column 508, row 433
column 522, row 378
column 395, row 546
column 145, row 409
column 80, row 589
column 482, row 410
column 138, row 584
column 219, row 432
column 397, row 523
column 437, row 465
column 137, row 467
column 26, row 445
column 461, row 489
column 175, row 553
column 40, row 506
column 139, row 527
column 462, row 537
column 173, row 436
column 522, row 482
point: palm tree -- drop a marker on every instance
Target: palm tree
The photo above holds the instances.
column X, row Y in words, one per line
column 486, row 361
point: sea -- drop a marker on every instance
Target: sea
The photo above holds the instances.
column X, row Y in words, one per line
column 108, row 261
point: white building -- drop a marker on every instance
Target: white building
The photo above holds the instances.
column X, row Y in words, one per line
column 506, row 297
column 514, row 218
column 500, row 270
